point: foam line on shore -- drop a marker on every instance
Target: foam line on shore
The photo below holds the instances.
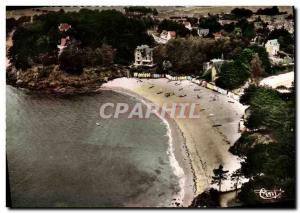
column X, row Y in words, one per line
column 176, row 168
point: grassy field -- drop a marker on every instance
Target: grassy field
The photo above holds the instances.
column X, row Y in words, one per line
column 201, row 10
column 164, row 11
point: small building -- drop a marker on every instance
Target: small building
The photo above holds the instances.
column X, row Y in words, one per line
column 258, row 25
column 164, row 37
column 167, row 35
column 272, row 47
column 64, row 27
column 143, row 56
column 237, row 31
column 206, row 66
column 213, row 67
column 226, row 21
column 202, row 32
column 63, row 44
column 187, row 25
column 217, row 35
column 216, row 68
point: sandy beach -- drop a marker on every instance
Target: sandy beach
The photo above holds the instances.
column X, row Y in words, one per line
column 205, row 146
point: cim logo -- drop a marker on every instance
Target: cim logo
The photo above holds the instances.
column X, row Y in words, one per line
column 269, row 194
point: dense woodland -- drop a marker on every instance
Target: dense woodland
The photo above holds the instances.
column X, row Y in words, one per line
column 90, row 30
column 268, row 164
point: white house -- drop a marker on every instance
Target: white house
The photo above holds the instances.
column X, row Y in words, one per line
column 272, row 47
column 64, row 27
column 63, row 44
column 164, row 37
column 167, row 35
column 187, row 25
column 202, row 32
column 143, row 56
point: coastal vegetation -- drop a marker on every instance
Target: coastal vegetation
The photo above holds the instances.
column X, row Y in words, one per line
column 207, row 199
column 252, row 62
column 269, row 146
column 188, row 55
column 219, row 175
column 285, row 39
column 12, row 23
column 91, row 28
column 211, row 23
column 102, row 38
column 170, row 25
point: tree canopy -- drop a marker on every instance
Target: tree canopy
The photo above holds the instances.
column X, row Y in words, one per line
column 91, row 27
column 188, row 55
column 268, row 164
column 219, row 175
column 241, row 13
column 285, row 39
column 268, row 11
column 170, row 25
column 211, row 23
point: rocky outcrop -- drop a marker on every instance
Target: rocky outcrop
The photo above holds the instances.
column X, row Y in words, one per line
column 207, row 199
column 50, row 79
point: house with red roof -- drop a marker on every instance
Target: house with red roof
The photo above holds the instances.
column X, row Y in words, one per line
column 64, row 27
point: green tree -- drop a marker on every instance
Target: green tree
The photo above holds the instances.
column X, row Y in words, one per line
column 268, row 11
column 233, row 75
column 167, row 66
column 268, row 164
column 248, row 29
column 264, row 57
column 241, row 13
column 170, row 25
column 256, row 69
column 11, row 23
column 219, row 176
column 210, row 23
column 285, row 39
column 236, row 177
column 92, row 28
column 72, row 59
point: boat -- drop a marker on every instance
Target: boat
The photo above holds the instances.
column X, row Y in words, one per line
column 167, row 94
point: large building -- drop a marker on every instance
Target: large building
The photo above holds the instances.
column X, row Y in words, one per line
column 202, row 32
column 272, row 47
column 143, row 56
column 213, row 67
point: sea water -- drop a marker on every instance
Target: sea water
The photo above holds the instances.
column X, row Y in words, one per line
column 60, row 153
